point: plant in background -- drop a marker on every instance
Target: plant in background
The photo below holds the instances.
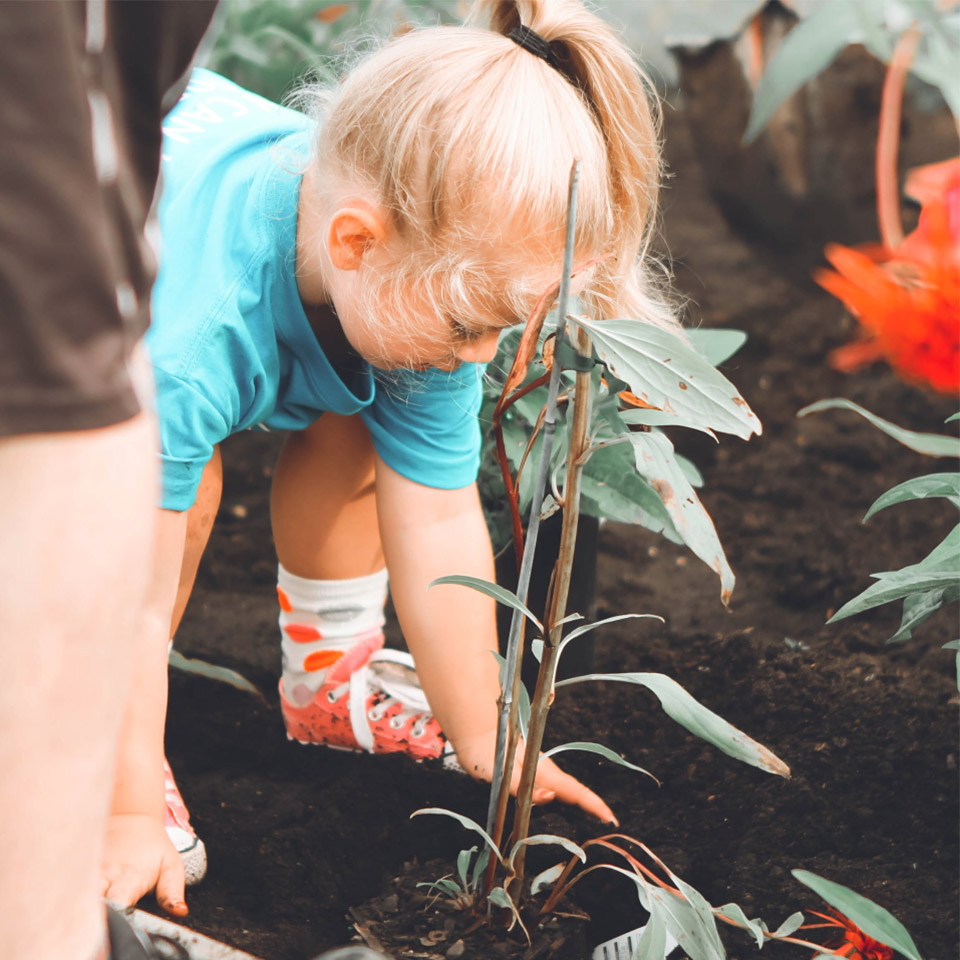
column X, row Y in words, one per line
column 611, row 385
column 933, row 582
column 905, row 292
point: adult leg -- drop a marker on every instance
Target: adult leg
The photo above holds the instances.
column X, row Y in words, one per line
column 76, row 511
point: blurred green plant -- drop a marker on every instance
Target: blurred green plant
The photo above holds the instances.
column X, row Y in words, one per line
column 934, row 582
column 817, row 40
column 268, row 46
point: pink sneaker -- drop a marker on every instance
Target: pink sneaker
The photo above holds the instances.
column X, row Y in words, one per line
column 371, row 701
column 177, row 821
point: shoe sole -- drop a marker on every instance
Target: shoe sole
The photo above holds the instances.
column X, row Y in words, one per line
column 449, row 762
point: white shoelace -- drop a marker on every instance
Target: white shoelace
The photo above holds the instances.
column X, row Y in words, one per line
column 390, row 673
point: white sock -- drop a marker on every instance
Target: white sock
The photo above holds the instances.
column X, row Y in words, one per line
column 320, row 619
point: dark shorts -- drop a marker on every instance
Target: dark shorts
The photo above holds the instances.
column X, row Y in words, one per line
column 83, row 89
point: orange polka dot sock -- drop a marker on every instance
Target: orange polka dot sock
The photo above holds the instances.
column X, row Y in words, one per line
column 320, row 620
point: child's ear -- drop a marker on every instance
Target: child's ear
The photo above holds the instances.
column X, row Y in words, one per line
column 353, row 230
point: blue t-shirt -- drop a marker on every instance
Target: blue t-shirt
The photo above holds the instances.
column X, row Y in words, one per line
column 231, row 345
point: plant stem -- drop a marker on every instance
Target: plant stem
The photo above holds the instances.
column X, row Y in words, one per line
column 544, row 693
column 888, row 140
column 503, row 761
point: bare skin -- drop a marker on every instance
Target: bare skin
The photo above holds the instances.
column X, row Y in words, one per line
column 71, row 579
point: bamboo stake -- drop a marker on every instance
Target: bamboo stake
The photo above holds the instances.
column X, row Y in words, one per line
column 507, row 725
column 544, row 694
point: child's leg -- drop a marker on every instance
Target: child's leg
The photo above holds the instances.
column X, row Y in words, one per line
column 332, row 589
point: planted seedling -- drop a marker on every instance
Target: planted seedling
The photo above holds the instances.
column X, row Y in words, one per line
column 610, row 386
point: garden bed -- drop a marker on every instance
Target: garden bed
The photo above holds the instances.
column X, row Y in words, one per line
column 296, row 835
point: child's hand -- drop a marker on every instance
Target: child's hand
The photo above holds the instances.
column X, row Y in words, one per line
column 476, row 756
column 139, row 857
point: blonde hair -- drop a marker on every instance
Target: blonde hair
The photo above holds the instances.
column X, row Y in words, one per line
column 461, row 133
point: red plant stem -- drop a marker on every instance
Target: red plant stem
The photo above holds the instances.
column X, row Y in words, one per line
column 888, row 139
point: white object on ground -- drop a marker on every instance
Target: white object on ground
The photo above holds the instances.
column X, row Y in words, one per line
column 624, row 947
column 197, row 946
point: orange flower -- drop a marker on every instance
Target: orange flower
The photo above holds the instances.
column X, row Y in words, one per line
column 907, row 300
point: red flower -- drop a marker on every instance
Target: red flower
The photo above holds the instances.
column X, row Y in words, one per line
column 854, row 944
column 907, row 299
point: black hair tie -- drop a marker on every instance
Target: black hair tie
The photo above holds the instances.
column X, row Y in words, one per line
column 532, row 42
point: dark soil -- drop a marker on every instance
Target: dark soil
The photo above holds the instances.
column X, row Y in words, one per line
column 298, row 836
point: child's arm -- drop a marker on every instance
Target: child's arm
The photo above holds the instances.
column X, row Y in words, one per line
column 138, row 855
column 451, row 631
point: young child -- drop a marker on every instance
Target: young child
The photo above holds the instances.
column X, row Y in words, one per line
column 345, row 277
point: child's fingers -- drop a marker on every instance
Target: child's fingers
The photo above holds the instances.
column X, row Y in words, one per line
column 551, row 779
column 124, row 886
column 170, row 884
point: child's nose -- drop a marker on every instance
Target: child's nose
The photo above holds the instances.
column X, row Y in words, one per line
column 482, row 350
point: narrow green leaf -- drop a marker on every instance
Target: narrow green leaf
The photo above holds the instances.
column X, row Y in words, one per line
column 479, row 866
column 789, row 926
column 931, row 444
column 464, row 822
column 501, row 898
column 500, row 594
column 734, row 911
column 870, row 917
column 919, row 488
column 600, row 750
column 652, row 944
column 447, row 886
column 670, row 375
column 698, row 719
column 587, row 627
column 690, row 471
column 546, row 877
column 655, row 460
column 716, row 346
column 211, row 671
column 952, row 417
column 938, row 570
column 463, row 866
column 920, row 607
column 810, row 47
column 546, row 839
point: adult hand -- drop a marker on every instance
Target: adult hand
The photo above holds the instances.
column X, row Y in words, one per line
column 476, row 756
column 138, row 858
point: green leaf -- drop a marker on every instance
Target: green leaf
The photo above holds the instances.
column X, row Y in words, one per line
column 920, row 607
column 587, row 627
column 611, row 488
column 653, row 453
column 919, row 488
column 811, row 46
column 447, row 886
column 952, row 417
column 463, row 821
column 500, row 897
column 546, row 839
column 870, row 917
column 602, row 751
column 938, row 570
column 463, row 866
column 670, row 375
column 211, row 671
column 716, row 346
column 758, row 928
column 500, row 594
column 931, row 444
column 790, row 925
column 548, row 876
column 690, row 471
column 479, row 866
column 657, row 418
column 652, row 944
column 698, row 719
